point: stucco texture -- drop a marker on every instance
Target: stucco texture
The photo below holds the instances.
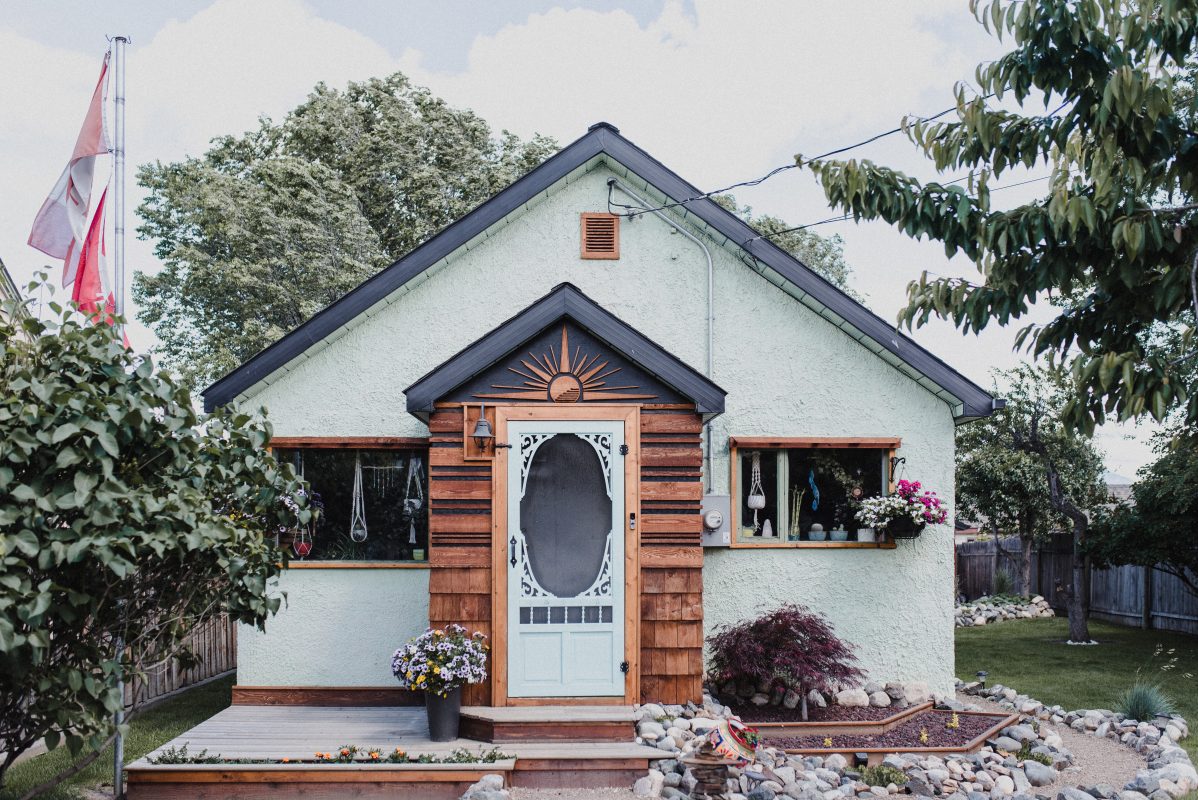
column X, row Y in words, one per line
column 339, row 628
column 788, row 372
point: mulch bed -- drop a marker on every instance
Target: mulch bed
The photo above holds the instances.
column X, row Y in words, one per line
column 751, row 713
column 902, row 737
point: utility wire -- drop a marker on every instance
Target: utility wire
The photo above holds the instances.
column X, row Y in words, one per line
column 634, row 211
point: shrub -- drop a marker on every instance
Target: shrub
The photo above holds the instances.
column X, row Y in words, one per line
column 791, row 647
column 1143, row 701
column 883, row 775
column 1025, row 754
column 1003, row 584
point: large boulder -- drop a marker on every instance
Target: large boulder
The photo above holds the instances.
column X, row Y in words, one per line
column 852, row 698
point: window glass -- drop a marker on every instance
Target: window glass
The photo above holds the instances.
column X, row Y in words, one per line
column 760, row 524
column 394, row 495
column 826, row 482
column 806, row 487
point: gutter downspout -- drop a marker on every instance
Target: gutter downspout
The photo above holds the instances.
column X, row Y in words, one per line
column 615, row 183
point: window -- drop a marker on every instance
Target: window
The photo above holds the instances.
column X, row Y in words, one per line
column 394, row 502
column 802, row 492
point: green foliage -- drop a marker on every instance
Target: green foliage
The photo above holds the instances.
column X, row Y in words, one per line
column 1144, row 700
column 179, row 755
column 1114, row 233
column 1004, row 584
column 1025, row 754
column 125, row 517
column 883, row 775
column 1000, row 481
column 266, row 229
column 824, row 255
column 344, row 754
column 1146, row 532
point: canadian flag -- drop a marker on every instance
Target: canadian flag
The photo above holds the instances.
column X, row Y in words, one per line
column 60, row 226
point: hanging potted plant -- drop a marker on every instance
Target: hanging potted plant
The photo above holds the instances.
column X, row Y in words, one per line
column 439, row 663
column 904, row 514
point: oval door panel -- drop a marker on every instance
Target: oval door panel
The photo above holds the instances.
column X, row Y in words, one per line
column 565, row 515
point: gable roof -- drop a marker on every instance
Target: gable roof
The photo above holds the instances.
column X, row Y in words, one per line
column 565, row 301
column 968, row 400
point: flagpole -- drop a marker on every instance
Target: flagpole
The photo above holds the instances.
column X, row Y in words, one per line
column 118, row 152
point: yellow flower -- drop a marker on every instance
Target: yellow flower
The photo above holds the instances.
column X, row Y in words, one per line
column 409, row 674
column 420, row 679
column 436, row 670
column 827, row 741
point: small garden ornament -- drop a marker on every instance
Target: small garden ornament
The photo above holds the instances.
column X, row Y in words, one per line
column 439, row 663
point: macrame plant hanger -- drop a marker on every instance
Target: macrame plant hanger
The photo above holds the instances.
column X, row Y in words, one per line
column 303, row 535
column 357, row 517
column 412, row 504
column 756, row 499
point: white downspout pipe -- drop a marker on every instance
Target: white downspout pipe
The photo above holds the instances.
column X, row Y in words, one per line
column 615, row 183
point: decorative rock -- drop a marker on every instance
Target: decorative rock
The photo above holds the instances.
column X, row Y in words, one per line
column 762, row 792
column 1004, row 785
column 879, row 699
column 791, row 699
column 1007, row 743
column 916, row 692
column 1038, row 774
column 760, row 699
column 488, row 787
column 1069, row 793
column 1021, row 733
column 836, row 762
column 853, row 698
column 651, row 730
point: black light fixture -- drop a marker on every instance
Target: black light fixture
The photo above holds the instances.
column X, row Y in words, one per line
column 895, row 463
column 483, row 435
column 982, row 675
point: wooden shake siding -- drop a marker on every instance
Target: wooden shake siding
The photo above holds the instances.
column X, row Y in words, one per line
column 671, row 554
column 459, row 536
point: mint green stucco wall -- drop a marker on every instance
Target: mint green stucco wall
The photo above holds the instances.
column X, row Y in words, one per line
column 339, row 628
column 788, row 372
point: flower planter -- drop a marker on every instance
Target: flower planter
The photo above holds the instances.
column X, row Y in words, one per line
column 444, row 714
column 905, row 528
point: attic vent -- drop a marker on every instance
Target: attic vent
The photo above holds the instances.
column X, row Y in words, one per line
column 600, row 236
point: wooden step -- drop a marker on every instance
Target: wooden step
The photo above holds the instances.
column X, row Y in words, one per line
column 549, row 724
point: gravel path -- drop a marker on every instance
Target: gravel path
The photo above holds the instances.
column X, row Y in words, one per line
column 1095, row 760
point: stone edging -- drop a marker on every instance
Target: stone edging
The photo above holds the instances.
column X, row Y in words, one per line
column 991, row 772
column 1170, row 773
column 987, row 610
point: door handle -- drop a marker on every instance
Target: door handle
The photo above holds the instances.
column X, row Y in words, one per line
column 512, row 543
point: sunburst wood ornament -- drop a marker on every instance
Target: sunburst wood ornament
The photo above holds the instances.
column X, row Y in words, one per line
column 565, row 377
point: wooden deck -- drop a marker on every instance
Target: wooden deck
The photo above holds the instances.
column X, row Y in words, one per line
column 540, row 756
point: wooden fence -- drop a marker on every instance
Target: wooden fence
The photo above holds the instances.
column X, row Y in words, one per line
column 214, row 644
column 1129, row 595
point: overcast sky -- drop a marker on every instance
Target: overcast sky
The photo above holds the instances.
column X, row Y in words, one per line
column 719, row 91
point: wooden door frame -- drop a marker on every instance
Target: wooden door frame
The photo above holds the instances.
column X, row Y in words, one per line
column 631, row 417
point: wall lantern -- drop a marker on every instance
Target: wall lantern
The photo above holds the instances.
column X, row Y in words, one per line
column 483, row 435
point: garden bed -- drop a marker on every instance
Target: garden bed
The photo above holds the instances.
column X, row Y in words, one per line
column 972, row 731
column 758, row 715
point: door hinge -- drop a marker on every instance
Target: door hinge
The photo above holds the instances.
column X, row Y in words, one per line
column 623, row 449
column 624, row 667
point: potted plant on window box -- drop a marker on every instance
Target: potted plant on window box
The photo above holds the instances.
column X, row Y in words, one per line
column 904, row 514
column 439, row 662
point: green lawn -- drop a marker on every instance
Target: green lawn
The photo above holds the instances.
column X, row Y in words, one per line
column 1031, row 656
column 160, row 724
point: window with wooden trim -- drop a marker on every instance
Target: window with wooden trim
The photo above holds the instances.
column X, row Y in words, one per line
column 375, row 502
column 800, row 492
column 600, row 236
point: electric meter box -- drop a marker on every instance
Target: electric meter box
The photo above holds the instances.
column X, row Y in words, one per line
column 717, row 520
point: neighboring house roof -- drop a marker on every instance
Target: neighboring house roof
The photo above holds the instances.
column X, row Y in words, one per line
column 565, row 301
column 603, row 141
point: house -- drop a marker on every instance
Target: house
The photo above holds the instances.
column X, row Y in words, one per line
column 675, row 416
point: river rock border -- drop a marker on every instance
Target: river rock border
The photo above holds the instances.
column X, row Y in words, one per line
column 1170, row 772
column 991, row 772
column 988, row 610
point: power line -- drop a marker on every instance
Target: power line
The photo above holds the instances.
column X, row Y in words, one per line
column 637, row 210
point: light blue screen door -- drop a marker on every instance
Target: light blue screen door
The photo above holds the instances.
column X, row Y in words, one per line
column 565, row 558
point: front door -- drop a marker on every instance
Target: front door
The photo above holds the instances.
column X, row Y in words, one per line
column 565, row 557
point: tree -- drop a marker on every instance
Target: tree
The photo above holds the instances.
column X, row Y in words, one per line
column 1005, row 484
column 825, row 255
column 1117, row 223
column 266, row 229
column 1158, row 529
column 124, row 520
column 789, row 648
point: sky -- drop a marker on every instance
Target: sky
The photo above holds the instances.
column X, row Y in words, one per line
column 720, row 91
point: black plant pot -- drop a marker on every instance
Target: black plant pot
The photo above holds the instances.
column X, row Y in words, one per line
column 444, row 713
column 905, row 528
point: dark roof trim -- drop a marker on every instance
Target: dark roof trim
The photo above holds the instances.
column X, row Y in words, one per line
column 601, row 138
column 565, row 300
